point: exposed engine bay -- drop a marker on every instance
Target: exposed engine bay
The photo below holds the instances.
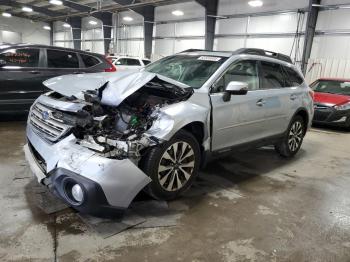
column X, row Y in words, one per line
column 119, row 132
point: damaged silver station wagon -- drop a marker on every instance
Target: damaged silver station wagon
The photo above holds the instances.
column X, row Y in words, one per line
column 97, row 140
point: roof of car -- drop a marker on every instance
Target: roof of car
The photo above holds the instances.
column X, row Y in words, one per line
column 6, row 46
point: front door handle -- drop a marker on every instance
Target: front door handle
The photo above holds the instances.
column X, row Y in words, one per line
column 35, row 72
column 261, row 102
column 293, row 97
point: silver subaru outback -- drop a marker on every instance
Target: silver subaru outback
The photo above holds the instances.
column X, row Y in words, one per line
column 97, row 140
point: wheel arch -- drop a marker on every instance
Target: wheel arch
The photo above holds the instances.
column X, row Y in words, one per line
column 196, row 128
column 304, row 114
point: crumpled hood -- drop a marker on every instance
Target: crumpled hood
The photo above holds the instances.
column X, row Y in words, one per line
column 119, row 85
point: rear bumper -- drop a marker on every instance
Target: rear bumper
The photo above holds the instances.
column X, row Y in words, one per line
column 108, row 184
column 331, row 116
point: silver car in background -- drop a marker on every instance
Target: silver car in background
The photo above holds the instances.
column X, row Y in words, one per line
column 97, row 140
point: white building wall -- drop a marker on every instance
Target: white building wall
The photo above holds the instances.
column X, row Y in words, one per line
column 19, row 30
column 91, row 36
column 177, row 34
column 230, row 7
column 330, row 45
column 62, row 36
column 129, row 34
column 272, row 32
column 330, row 56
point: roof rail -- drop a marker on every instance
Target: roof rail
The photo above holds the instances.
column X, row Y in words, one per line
column 203, row 50
column 250, row 51
column 262, row 52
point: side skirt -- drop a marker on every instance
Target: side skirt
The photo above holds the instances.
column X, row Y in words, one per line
column 209, row 156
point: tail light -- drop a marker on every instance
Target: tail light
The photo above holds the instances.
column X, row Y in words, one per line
column 312, row 94
column 111, row 68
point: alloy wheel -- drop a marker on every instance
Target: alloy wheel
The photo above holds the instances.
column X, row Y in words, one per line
column 176, row 166
column 295, row 136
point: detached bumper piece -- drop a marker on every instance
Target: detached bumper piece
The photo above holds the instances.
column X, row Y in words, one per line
column 81, row 193
column 330, row 116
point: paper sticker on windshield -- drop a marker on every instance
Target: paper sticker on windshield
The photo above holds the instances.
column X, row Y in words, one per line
column 210, row 58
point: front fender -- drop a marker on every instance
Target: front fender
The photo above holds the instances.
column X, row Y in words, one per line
column 176, row 116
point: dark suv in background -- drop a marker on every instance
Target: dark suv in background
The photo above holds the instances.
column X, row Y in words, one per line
column 23, row 68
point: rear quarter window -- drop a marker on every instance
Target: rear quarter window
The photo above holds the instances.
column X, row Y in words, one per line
column 89, row 60
column 134, row 62
column 146, row 62
column 293, row 77
column 272, row 75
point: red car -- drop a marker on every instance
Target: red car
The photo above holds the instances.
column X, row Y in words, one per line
column 332, row 101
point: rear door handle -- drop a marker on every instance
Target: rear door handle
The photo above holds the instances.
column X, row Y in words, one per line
column 35, row 72
column 293, row 97
column 260, row 102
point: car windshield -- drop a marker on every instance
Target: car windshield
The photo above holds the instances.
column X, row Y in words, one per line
column 192, row 70
column 332, row 87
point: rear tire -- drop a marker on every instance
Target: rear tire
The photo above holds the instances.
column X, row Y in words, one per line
column 172, row 166
column 293, row 139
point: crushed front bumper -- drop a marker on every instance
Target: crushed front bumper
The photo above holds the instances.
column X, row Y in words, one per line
column 107, row 184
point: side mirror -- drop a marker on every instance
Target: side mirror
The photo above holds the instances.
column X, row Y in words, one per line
column 118, row 63
column 235, row 88
column 2, row 62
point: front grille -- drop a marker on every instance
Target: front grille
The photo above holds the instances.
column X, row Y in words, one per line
column 46, row 124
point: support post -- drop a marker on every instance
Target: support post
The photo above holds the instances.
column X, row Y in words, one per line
column 310, row 32
column 107, row 24
column 51, row 33
column 211, row 11
column 148, row 20
column 75, row 23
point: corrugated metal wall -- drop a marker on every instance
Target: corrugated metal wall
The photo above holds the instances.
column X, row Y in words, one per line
column 327, row 67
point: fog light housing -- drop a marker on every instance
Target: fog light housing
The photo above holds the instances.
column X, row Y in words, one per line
column 77, row 193
column 74, row 192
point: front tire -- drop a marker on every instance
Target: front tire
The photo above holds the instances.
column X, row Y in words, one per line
column 293, row 139
column 172, row 166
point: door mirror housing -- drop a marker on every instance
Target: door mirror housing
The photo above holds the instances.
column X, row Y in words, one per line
column 2, row 62
column 235, row 88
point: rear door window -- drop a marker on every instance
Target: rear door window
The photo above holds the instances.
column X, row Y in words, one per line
column 23, row 57
column 293, row 78
column 146, row 62
column 62, row 59
column 133, row 62
column 89, row 60
column 128, row 61
column 272, row 75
